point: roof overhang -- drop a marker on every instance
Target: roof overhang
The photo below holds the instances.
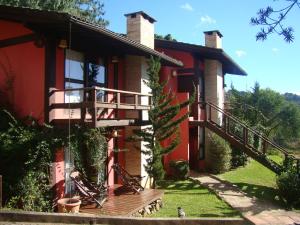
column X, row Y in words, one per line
column 84, row 35
column 229, row 65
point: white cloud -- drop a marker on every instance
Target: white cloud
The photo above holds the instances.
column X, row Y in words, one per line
column 275, row 50
column 207, row 19
column 240, row 53
column 187, row 7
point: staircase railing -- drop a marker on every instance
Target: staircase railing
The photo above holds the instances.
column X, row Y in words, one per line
column 246, row 135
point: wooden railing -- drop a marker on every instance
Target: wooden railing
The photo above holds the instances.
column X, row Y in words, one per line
column 233, row 127
column 94, row 103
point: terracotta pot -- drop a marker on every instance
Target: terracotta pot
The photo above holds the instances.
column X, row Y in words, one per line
column 69, row 205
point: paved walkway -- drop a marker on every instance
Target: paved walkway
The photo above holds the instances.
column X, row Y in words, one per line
column 254, row 210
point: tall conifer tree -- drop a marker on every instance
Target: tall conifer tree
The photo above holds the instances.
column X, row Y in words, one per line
column 164, row 120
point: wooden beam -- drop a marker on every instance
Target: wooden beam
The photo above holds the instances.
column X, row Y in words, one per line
column 197, row 123
column 17, row 40
column 50, row 73
column 0, row 191
column 71, row 105
column 115, row 123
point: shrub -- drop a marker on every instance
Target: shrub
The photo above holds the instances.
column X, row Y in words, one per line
column 32, row 193
column 219, row 154
column 180, row 169
column 238, row 158
column 288, row 183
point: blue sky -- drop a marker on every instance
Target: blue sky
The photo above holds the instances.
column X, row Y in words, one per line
column 273, row 63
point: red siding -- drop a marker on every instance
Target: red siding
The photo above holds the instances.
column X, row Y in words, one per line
column 26, row 63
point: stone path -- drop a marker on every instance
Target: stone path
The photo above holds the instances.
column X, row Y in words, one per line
column 254, row 210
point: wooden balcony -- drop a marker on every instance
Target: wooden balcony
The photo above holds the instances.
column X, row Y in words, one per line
column 98, row 107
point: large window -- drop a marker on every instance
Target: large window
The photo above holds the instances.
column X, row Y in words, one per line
column 83, row 72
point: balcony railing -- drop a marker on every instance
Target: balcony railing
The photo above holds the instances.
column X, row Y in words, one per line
column 97, row 106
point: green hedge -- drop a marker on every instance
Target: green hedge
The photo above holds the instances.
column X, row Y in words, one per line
column 218, row 154
column 179, row 168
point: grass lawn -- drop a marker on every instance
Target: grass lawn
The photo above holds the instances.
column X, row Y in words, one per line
column 196, row 201
column 256, row 180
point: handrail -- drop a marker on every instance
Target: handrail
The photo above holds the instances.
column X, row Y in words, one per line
column 101, row 89
column 249, row 129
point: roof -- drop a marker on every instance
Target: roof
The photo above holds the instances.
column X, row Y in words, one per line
column 84, row 33
column 145, row 15
column 229, row 65
column 210, row 32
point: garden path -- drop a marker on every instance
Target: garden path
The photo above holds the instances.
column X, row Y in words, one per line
column 256, row 211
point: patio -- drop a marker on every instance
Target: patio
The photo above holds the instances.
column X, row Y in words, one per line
column 123, row 203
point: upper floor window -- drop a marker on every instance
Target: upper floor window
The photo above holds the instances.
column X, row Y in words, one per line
column 82, row 72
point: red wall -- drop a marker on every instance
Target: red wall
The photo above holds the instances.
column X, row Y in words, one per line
column 189, row 141
column 27, row 95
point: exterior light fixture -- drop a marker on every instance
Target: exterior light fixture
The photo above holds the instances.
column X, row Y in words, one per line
column 63, row 43
column 114, row 133
column 115, row 59
column 174, row 73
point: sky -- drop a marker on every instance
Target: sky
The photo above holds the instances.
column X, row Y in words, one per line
column 273, row 63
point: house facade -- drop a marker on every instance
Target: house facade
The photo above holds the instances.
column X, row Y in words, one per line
column 66, row 70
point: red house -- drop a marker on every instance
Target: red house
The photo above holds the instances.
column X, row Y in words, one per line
column 48, row 53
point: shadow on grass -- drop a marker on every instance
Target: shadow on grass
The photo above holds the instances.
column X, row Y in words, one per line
column 178, row 185
column 267, row 194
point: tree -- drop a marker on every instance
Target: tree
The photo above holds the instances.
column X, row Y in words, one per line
column 272, row 21
column 268, row 112
column 164, row 120
column 91, row 10
column 167, row 37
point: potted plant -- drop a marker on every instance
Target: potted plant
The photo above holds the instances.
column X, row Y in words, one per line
column 68, row 205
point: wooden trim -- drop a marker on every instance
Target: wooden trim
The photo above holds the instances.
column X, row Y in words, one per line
column 50, row 73
column 0, row 191
column 18, row 40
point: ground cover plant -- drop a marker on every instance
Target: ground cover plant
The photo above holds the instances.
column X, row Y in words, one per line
column 195, row 200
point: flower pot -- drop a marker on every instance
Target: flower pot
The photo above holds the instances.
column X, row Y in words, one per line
column 69, row 205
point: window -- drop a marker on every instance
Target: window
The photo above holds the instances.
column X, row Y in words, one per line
column 80, row 72
column 96, row 73
column 74, row 75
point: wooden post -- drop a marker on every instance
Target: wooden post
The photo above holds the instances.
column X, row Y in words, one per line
column 245, row 135
column 209, row 112
column 228, row 125
column 118, row 99
column 94, row 108
column 264, row 147
column 150, row 101
column 0, row 191
column 224, row 117
column 136, row 101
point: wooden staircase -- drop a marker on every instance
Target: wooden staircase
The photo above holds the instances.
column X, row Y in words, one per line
column 241, row 136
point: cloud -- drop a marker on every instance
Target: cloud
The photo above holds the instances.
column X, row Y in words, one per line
column 207, row 19
column 275, row 50
column 187, row 7
column 240, row 53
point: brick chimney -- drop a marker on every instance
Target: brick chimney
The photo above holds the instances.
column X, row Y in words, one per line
column 213, row 39
column 140, row 28
column 213, row 72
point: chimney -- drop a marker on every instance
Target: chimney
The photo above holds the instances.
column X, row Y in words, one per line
column 213, row 39
column 140, row 28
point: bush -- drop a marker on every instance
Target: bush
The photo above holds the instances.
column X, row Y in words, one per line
column 219, row 154
column 180, row 169
column 238, row 158
column 32, row 193
column 288, row 183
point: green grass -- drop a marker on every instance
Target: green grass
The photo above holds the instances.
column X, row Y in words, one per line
column 256, row 180
column 196, row 201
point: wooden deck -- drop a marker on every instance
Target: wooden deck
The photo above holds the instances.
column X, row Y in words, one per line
column 124, row 203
